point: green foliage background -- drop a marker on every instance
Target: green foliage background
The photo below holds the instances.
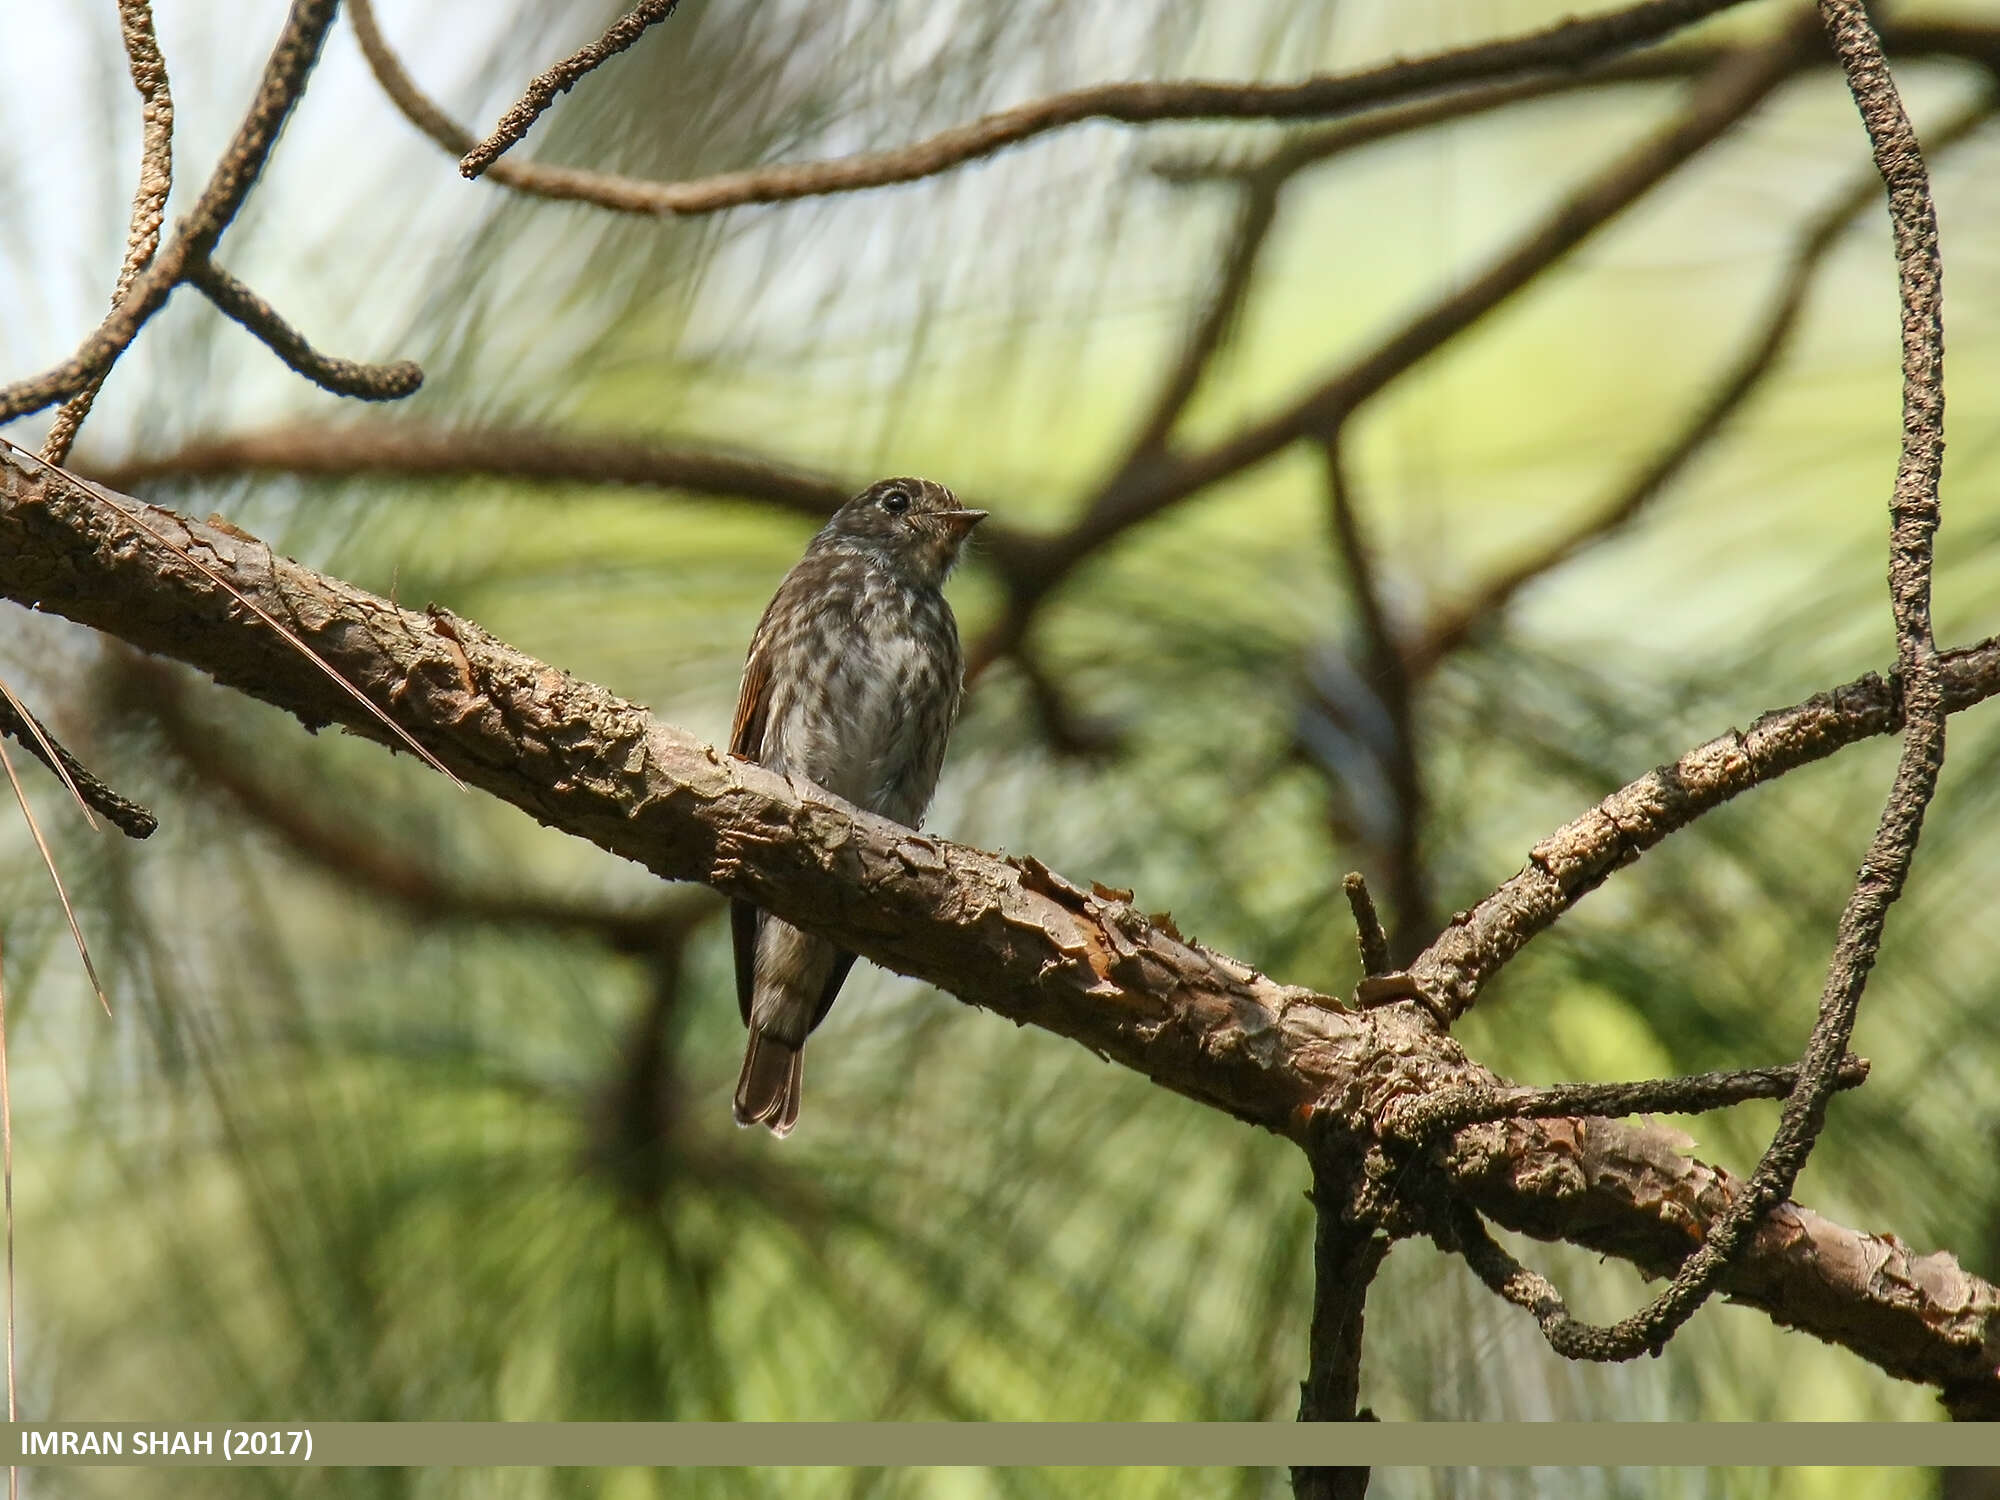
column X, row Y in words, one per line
column 332, row 1157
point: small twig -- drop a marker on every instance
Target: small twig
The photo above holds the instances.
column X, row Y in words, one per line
column 1256, row 214
column 1368, row 933
column 1417, row 1120
column 284, row 80
column 1886, row 866
column 1577, row 858
column 560, row 79
column 343, row 377
column 1513, row 1282
column 149, row 198
column 128, row 817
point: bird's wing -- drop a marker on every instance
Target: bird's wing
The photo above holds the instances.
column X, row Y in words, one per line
column 842, row 962
column 744, row 920
column 746, row 738
column 753, row 703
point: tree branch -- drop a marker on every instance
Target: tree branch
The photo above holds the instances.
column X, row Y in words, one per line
column 1574, row 860
column 343, row 377
column 1566, row 45
column 542, row 91
column 149, row 198
column 413, row 450
column 366, row 862
column 410, row 450
column 1419, row 1121
column 1385, row 674
column 284, row 80
column 1885, row 868
column 1008, row 935
column 1347, row 1253
column 19, row 725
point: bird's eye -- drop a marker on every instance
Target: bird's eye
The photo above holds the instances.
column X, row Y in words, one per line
column 896, row 502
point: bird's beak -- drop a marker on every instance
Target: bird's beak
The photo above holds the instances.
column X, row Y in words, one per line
column 962, row 521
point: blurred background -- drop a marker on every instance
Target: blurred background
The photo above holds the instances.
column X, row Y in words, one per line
column 412, row 1109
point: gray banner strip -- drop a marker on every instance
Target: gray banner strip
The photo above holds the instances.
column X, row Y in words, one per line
column 996, row 1444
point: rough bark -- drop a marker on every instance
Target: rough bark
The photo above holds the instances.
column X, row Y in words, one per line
column 1005, row 934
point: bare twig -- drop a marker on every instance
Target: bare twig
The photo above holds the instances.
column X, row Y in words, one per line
column 128, row 817
column 1566, row 45
column 1421, row 1119
column 149, row 197
column 1368, row 933
column 1886, row 866
column 1574, row 860
column 1452, row 628
column 1256, row 213
column 344, row 377
column 27, row 730
column 519, row 120
column 284, row 80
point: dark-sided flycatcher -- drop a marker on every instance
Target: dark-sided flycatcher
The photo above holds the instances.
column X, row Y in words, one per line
column 853, row 683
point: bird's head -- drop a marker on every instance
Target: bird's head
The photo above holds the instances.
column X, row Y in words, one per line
column 916, row 525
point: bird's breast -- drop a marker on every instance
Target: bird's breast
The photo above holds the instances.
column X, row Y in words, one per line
column 866, row 713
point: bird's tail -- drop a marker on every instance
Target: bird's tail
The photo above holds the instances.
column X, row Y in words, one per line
column 767, row 1092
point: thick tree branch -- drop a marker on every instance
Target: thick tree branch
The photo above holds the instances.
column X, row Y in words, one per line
column 1008, row 935
column 369, row 862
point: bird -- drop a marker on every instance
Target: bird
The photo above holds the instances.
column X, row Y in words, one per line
column 853, row 682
